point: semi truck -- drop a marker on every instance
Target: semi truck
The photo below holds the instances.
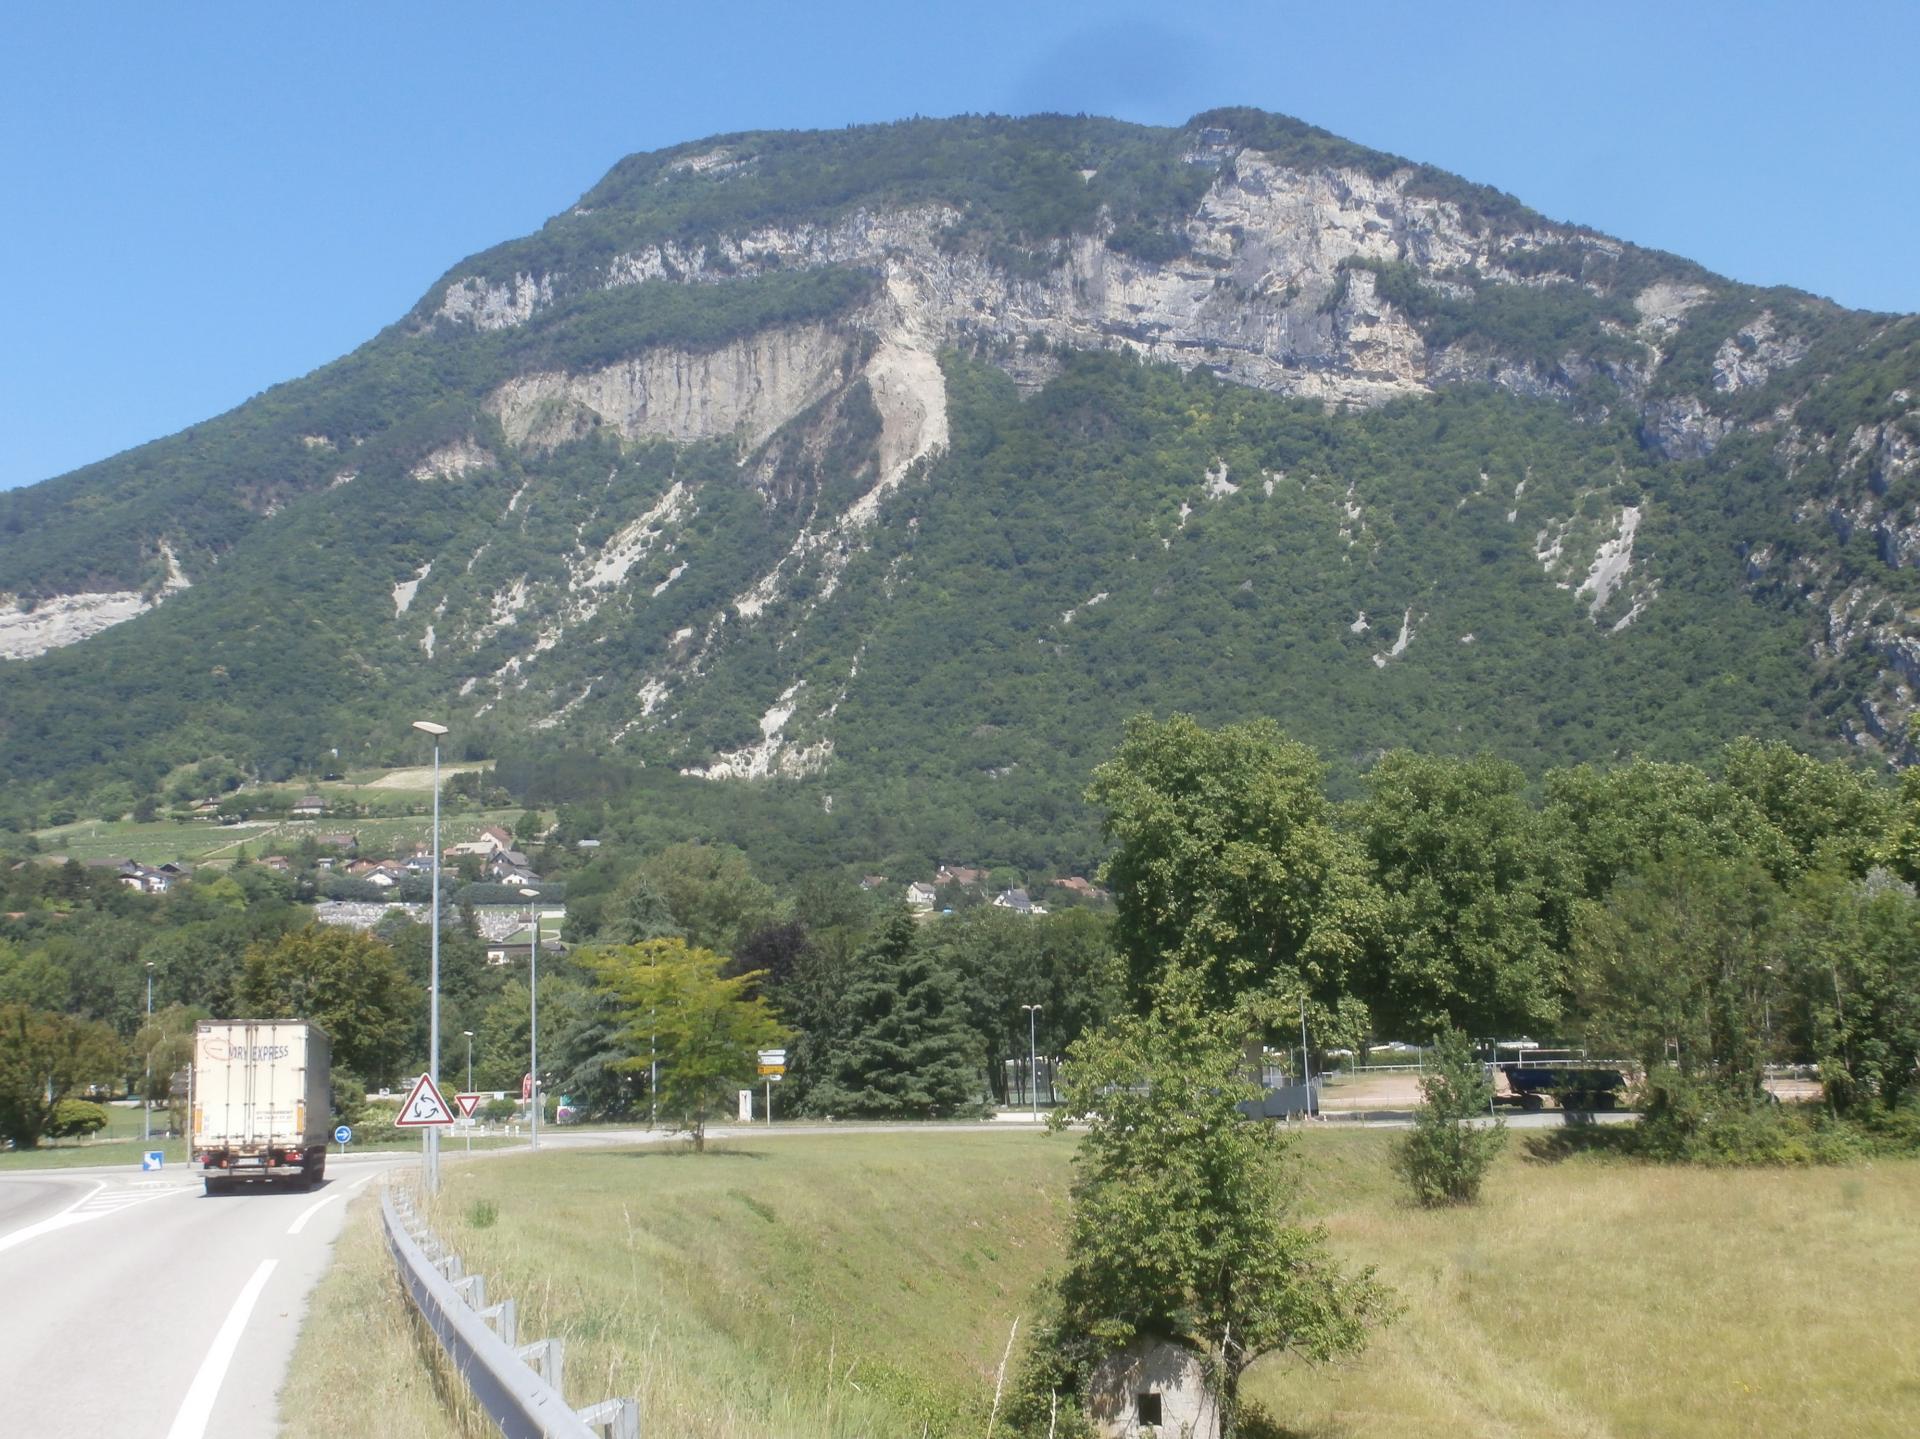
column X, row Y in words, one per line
column 262, row 1104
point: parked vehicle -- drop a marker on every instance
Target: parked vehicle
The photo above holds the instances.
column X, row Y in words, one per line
column 1568, row 1077
column 262, row 1105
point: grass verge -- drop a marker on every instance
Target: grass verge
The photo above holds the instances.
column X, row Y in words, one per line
column 361, row 1366
column 807, row 1287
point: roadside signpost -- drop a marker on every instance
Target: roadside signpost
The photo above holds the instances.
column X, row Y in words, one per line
column 152, row 1159
column 343, row 1136
column 468, row 1103
column 424, row 1107
column 773, row 1068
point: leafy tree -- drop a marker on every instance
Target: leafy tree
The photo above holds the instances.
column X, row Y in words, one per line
column 1682, row 969
column 348, row 983
column 713, row 894
column 29, row 977
column 44, row 1058
column 907, row 1048
column 1445, row 1156
column 1181, row 1227
column 1227, row 862
column 1478, row 893
column 706, row 1027
column 1856, row 968
column 635, row 913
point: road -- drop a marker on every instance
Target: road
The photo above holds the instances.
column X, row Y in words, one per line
column 138, row 1307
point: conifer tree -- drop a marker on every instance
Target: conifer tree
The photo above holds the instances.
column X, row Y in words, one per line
column 908, row 1047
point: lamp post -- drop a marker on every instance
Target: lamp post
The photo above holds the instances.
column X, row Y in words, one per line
column 1033, row 1055
column 146, row 1093
column 428, row 727
column 469, row 1035
column 533, row 1022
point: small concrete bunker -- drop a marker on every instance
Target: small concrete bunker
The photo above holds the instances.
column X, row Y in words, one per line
column 1152, row 1389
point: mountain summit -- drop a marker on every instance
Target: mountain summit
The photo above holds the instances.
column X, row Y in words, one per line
column 923, row 453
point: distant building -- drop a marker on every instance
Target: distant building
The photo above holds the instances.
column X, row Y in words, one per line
column 1019, row 901
column 960, row 874
column 309, row 807
column 921, row 897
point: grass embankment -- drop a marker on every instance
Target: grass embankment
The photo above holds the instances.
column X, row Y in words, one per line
column 863, row 1284
column 358, row 1368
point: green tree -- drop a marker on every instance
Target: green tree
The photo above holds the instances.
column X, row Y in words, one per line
column 44, row 1058
column 1181, row 1226
column 1227, row 862
column 907, row 1046
column 713, row 894
column 1683, row 969
column 1855, row 959
column 346, row 982
column 705, row 1027
column 1478, row 896
column 1445, row 1156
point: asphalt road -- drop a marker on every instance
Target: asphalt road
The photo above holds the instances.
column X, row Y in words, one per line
column 138, row 1307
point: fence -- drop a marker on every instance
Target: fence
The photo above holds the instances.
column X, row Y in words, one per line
column 517, row 1385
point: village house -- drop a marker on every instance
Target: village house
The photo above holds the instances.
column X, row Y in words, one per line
column 1019, row 901
column 309, row 807
column 960, row 874
column 921, row 897
column 491, row 841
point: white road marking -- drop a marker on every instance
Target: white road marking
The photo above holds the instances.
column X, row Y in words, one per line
column 300, row 1223
column 197, row 1409
column 53, row 1221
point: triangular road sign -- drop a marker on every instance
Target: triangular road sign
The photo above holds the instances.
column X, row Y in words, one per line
column 468, row 1103
column 424, row 1106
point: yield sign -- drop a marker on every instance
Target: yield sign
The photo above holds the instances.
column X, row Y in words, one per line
column 468, row 1103
column 424, row 1107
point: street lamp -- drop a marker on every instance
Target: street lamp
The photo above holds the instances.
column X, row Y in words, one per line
column 533, row 1023
column 1033, row 1056
column 428, row 727
column 146, row 1094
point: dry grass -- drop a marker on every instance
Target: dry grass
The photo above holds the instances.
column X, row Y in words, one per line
column 1587, row 1298
column 864, row 1284
column 361, row 1367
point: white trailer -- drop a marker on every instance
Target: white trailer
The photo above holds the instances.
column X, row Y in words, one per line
column 262, row 1104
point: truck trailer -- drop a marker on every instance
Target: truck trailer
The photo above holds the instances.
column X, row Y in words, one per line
column 262, row 1104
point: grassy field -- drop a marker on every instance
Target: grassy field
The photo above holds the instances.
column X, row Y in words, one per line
column 864, row 1284
column 200, row 842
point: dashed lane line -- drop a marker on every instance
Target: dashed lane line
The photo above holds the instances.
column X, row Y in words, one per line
column 197, row 1408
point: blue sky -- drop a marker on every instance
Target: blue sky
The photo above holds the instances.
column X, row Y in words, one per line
column 204, row 200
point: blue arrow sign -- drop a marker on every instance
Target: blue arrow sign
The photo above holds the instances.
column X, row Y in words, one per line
column 342, row 1134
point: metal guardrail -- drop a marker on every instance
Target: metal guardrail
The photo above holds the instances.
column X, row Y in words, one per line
column 518, row 1385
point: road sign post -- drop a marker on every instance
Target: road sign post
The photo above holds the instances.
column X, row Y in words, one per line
column 773, row 1066
column 153, row 1159
column 343, row 1136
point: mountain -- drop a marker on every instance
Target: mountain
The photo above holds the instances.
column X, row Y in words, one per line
column 899, row 464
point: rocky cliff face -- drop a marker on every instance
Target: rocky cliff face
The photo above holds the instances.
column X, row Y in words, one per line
column 578, row 467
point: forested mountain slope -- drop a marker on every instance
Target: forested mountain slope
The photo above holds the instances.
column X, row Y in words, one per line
column 905, row 461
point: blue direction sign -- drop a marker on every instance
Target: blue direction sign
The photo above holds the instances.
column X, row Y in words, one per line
column 153, row 1159
column 342, row 1134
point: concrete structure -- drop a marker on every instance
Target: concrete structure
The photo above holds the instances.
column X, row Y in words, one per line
column 1152, row 1389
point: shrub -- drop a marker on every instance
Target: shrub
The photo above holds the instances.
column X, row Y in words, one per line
column 498, row 1111
column 76, row 1119
column 1445, row 1157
